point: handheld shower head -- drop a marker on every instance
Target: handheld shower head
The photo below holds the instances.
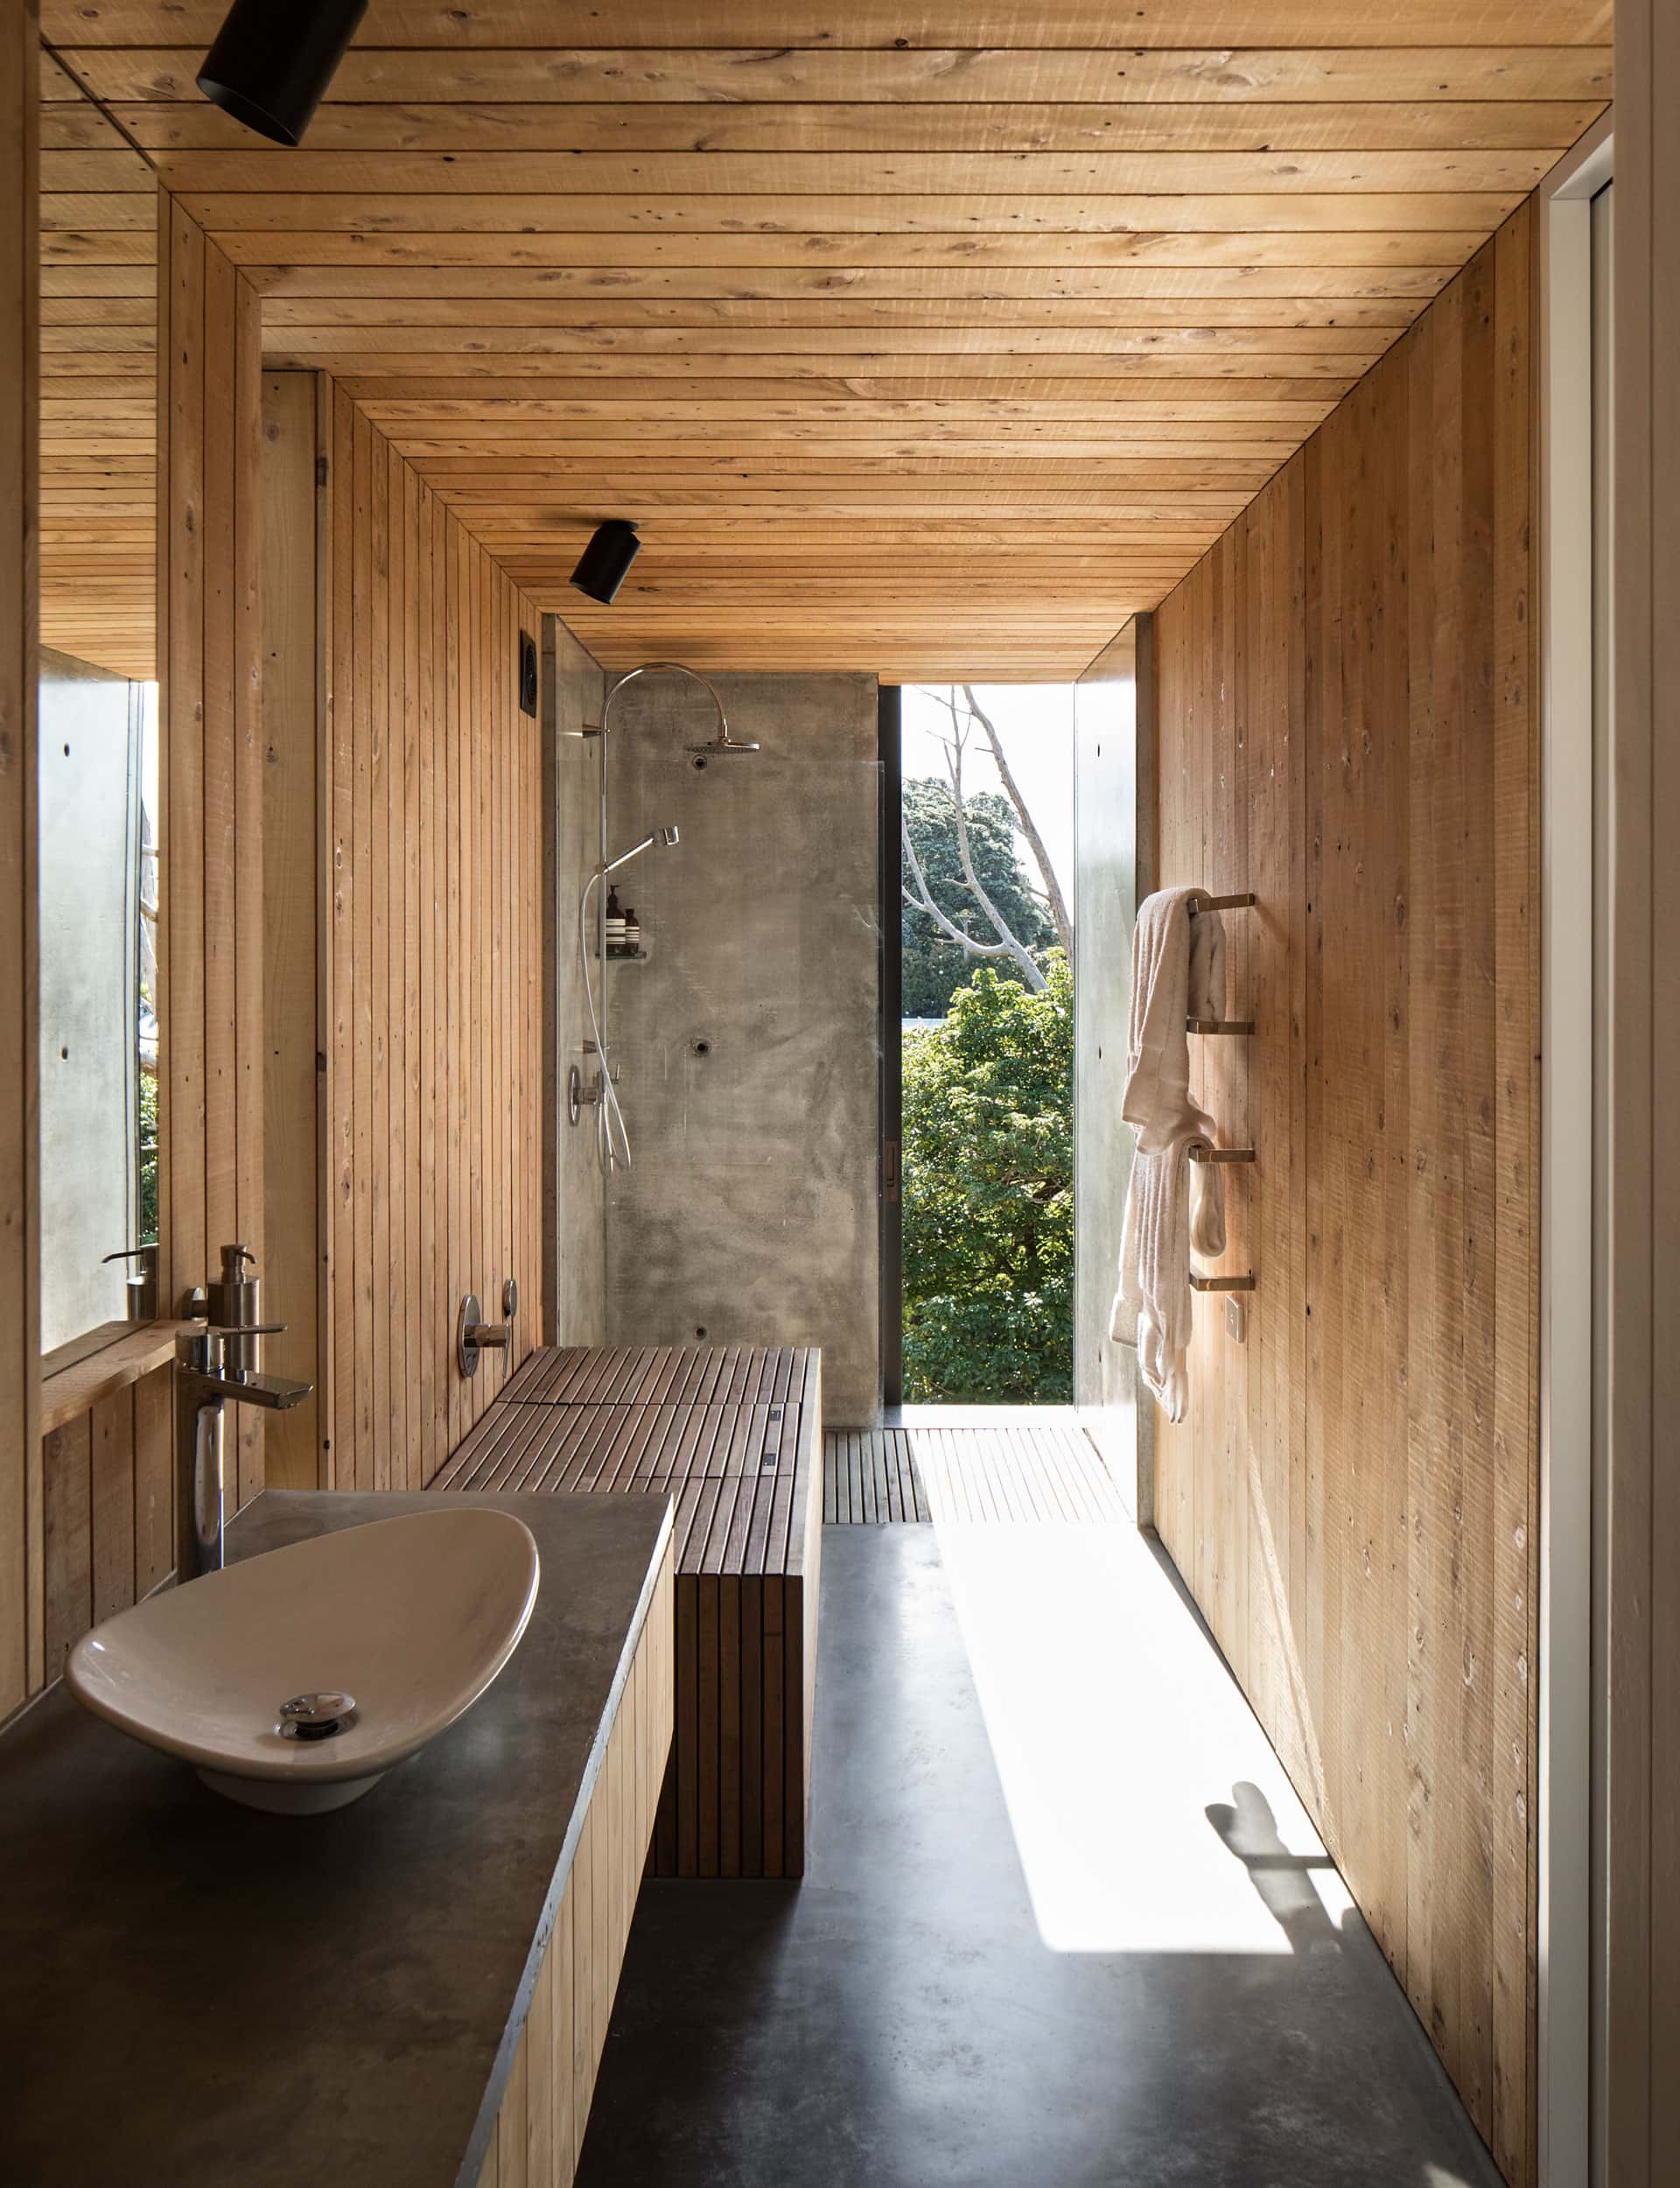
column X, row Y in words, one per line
column 664, row 837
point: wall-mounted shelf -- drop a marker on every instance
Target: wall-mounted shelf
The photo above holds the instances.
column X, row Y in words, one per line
column 626, row 957
column 1221, row 1283
column 1219, row 1025
column 1222, row 1154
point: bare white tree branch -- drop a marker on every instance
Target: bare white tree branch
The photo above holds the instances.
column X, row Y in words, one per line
column 1052, row 891
column 1008, row 943
column 921, row 899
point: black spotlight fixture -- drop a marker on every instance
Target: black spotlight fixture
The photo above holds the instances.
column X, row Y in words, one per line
column 604, row 563
column 273, row 60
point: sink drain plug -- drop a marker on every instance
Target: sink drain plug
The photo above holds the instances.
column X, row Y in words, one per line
column 317, row 1716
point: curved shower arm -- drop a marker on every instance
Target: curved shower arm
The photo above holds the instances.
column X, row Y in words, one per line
column 664, row 668
column 652, row 668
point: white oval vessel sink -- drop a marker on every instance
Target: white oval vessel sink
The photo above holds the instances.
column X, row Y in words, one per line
column 293, row 1681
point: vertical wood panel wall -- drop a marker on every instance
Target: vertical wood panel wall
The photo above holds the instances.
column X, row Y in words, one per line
column 209, row 661
column 1346, row 728
column 294, row 407
column 109, row 1510
column 22, row 1626
column 436, row 830
column 1638, row 2137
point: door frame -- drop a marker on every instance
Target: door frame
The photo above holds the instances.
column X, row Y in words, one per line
column 890, row 712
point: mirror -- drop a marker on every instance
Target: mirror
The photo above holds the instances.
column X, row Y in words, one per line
column 98, row 875
column 98, row 845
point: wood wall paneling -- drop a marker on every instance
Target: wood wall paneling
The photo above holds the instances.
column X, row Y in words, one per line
column 973, row 298
column 108, row 1494
column 296, row 571
column 1640, row 2140
column 433, row 964
column 1346, row 728
column 212, row 946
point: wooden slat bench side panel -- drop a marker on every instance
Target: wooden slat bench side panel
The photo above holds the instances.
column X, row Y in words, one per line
column 734, row 1435
column 538, row 2133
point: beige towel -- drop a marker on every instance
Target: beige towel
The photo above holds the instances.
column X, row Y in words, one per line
column 1178, row 971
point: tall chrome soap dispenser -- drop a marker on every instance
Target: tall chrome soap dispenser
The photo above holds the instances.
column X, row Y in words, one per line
column 234, row 1305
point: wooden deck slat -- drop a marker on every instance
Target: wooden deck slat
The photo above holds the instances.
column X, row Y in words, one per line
column 1013, row 1473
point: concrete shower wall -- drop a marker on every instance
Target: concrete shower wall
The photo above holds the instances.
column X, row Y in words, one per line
column 751, row 1211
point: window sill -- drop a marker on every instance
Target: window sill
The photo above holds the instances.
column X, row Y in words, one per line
column 76, row 1390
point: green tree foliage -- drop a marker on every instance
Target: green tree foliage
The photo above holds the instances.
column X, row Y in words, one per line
column 146, row 1214
column 934, row 967
column 989, row 1195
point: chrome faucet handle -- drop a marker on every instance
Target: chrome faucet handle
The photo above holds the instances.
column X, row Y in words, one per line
column 201, row 1346
column 474, row 1338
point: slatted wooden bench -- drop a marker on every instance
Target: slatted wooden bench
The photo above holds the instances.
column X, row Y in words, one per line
column 734, row 1434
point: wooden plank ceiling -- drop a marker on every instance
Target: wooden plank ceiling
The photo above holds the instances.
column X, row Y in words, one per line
column 934, row 340
column 99, row 405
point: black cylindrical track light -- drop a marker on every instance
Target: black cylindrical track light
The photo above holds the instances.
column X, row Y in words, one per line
column 273, row 60
column 604, row 563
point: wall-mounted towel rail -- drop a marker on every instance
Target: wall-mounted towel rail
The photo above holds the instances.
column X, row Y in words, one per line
column 1242, row 903
column 1221, row 1283
column 1222, row 1154
column 1219, row 1025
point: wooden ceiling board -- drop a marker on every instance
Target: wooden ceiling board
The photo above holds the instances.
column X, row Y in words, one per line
column 972, row 296
column 98, row 393
column 774, row 26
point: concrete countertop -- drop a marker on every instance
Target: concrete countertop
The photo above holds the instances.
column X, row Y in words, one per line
column 197, row 1994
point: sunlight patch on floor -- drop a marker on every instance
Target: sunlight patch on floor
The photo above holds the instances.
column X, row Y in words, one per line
column 1116, row 1729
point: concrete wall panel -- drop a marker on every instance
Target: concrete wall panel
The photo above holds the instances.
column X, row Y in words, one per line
column 749, row 1039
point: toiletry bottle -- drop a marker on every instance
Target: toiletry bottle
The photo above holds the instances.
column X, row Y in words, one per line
column 233, row 1299
column 632, row 932
column 614, row 922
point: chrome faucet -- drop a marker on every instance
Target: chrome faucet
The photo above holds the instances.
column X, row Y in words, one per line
column 207, row 1381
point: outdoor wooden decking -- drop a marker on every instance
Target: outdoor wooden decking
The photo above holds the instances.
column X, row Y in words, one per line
column 730, row 1433
column 1042, row 1471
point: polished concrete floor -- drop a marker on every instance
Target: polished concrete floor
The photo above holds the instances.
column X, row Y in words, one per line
column 1064, row 1924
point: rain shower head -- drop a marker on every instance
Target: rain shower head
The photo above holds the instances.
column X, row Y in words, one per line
column 723, row 743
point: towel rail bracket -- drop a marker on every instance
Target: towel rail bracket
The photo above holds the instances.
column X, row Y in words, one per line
column 1222, row 1154
column 1221, row 1283
column 1202, row 902
column 1219, row 1025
